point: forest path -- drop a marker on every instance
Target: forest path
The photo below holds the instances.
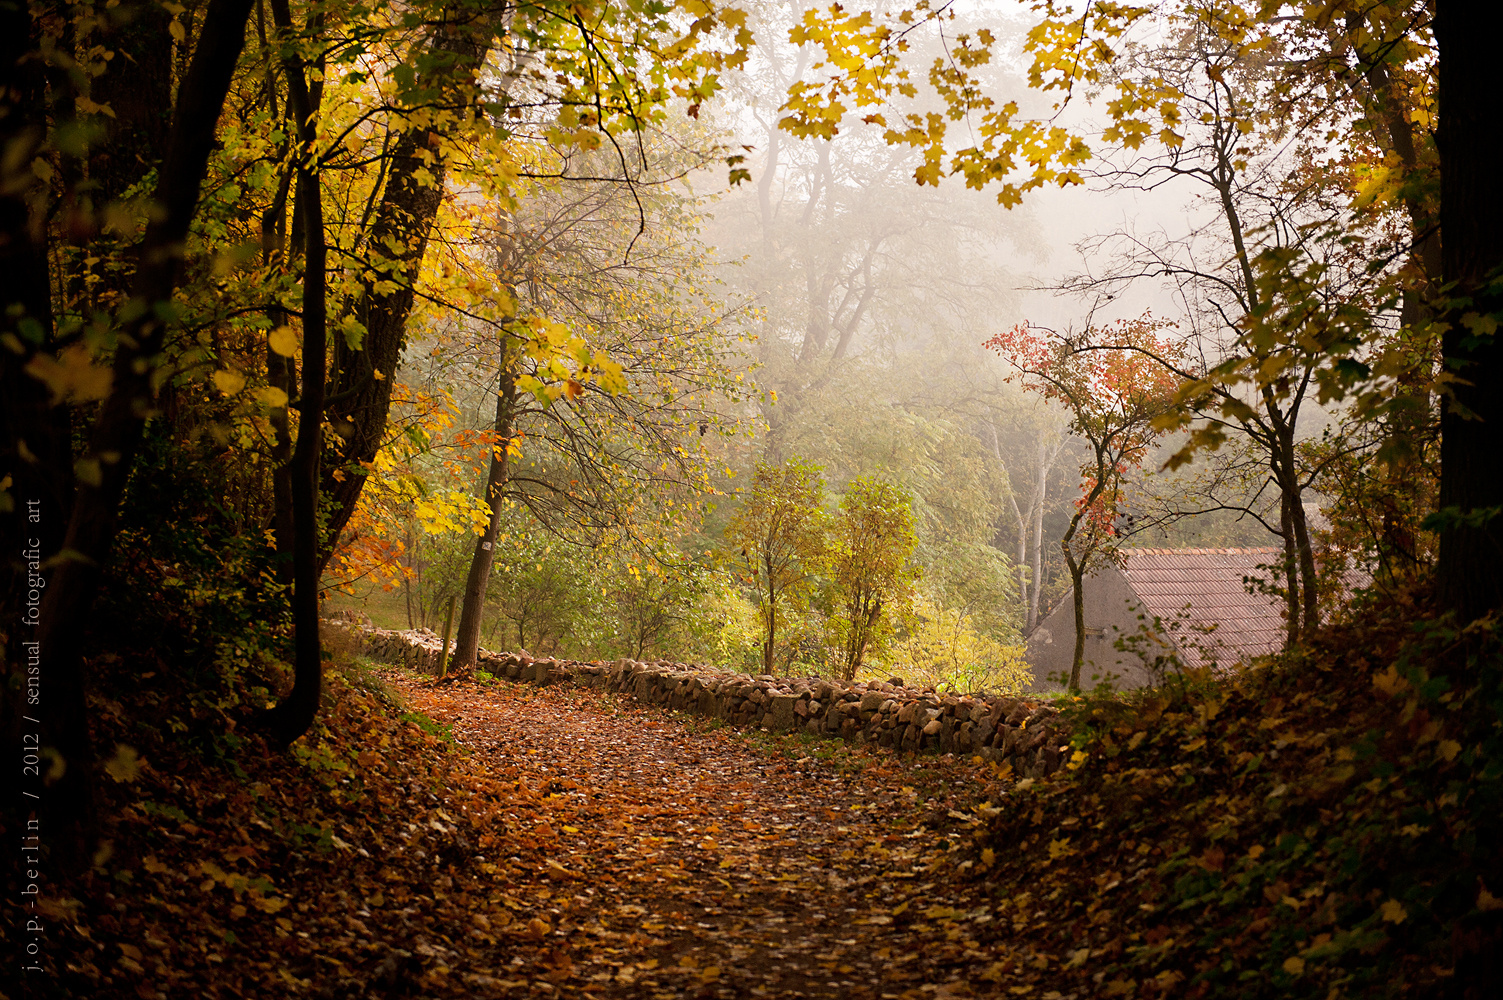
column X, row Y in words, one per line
column 684, row 860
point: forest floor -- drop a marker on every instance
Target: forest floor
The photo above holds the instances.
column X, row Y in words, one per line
column 687, row 859
column 1321, row 828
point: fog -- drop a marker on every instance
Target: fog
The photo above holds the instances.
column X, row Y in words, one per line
column 874, row 294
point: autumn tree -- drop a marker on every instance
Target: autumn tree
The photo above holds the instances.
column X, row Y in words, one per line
column 1381, row 59
column 229, row 260
column 78, row 499
column 1275, row 286
column 780, row 533
column 607, row 443
column 871, row 546
column 1114, row 392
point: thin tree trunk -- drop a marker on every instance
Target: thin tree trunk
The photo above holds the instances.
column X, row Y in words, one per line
column 467, row 642
column 407, row 578
column 280, row 374
column 1022, row 520
column 1291, row 573
column 1038, row 536
column 768, row 667
column 295, row 712
column 116, row 434
column 1305, row 553
column 1077, row 580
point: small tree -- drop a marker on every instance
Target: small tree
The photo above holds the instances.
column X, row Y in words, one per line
column 780, row 532
column 870, row 554
column 1114, row 394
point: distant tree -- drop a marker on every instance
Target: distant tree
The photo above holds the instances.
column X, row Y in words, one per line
column 1114, row 395
column 780, row 533
column 870, row 557
column 648, row 609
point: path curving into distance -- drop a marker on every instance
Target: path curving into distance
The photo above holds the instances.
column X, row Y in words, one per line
column 684, row 860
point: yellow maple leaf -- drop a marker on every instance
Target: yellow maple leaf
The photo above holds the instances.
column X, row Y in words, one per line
column 72, row 375
column 1447, row 750
column 283, row 341
column 1393, row 912
column 229, row 382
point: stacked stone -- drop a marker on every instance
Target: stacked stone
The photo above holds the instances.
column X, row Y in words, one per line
column 1023, row 733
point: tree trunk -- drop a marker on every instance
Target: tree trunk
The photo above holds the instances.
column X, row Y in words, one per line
column 467, row 642
column 1077, row 581
column 768, row 667
column 1469, row 580
column 116, row 434
column 35, row 436
column 1038, row 538
column 361, row 379
column 138, row 89
column 280, row 374
column 295, row 712
column 1291, row 573
column 1299, row 553
column 1304, row 551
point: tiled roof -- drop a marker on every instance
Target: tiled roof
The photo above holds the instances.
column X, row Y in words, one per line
column 1205, row 587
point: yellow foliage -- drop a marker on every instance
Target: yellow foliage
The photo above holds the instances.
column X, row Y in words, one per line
column 942, row 646
column 72, row 376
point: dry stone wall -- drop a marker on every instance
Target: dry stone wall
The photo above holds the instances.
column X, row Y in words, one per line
column 1027, row 734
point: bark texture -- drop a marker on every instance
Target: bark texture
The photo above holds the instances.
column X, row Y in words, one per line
column 361, row 375
column 294, row 713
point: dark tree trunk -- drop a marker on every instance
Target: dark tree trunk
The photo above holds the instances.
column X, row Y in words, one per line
column 1291, row 573
column 116, row 433
column 467, row 641
column 281, row 374
column 1469, row 576
column 295, row 712
column 1077, row 581
column 138, row 89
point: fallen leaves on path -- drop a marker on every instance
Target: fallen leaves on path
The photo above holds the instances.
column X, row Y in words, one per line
column 703, row 863
column 506, row 841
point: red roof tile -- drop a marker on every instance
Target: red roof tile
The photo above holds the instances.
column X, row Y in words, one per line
column 1206, row 589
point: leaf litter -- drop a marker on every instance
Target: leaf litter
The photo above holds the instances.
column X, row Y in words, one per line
column 500, row 840
column 1321, row 828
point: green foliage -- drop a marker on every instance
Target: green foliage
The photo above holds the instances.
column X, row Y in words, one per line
column 780, row 532
column 946, row 647
column 871, row 548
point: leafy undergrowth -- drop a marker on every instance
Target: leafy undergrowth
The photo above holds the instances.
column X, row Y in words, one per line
column 1327, row 826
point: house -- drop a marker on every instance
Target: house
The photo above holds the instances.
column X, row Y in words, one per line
column 1206, row 602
